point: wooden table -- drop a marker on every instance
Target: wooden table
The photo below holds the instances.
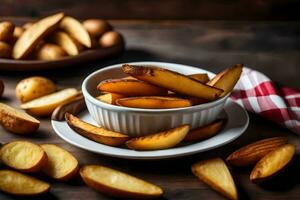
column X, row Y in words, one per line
column 271, row 47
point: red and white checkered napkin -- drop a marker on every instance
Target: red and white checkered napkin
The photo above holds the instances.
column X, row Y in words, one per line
column 257, row 94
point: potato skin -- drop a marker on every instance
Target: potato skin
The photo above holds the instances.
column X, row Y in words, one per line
column 6, row 31
column 96, row 27
column 110, row 39
column 34, row 87
column 5, row 50
column 50, row 52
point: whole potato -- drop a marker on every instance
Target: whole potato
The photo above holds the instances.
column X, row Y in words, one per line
column 1, row 88
column 6, row 31
column 110, row 38
column 5, row 50
column 34, row 87
column 18, row 31
column 96, row 27
column 49, row 51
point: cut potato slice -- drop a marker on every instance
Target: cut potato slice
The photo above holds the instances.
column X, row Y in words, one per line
column 162, row 140
column 17, row 121
column 203, row 78
column 75, row 29
column 15, row 183
column 110, row 98
column 154, row 102
column 95, row 133
column 61, row 164
column 34, row 34
column 118, row 184
column 205, row 132
column 272, row 163
column 129, row 87
column 66, row 42
column 45, row 105
column 24, row 156
column 173, row 81
column 215, row 174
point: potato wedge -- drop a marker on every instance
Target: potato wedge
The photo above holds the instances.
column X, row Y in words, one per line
column 1, row 87
column 173, row 81
column 110, row 98
column 61, row 164
column 45, row 105
column 130, row 87
column 203, row 78
column 227, row 79
column 96, row 27
column 162, row 140
column 17, row 121
column 66, row 42
column 34, row 34
column 154, row 102
column 5, row 50
column 6, row 31
column 76, row 30
column 95, row 133
column 24, row 156
column 272, row 163
column 215, row 174
column 16, row 183
column 205, row 132
column 118, row 184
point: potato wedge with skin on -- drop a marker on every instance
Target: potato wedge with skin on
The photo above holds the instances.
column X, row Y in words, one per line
column 34, row 34
column 66, row 42
column 61, row 164
column 118, row 184
column 173, row 81
column 110, row 98
column 272, row 163
column 17, row 121
column 203, row 78
column 215, row 174
column 98, row 134
column 23, row 156
column 162, row 140
column 130, row 87
column 16, row 183
column 45, row 105
column 154, row 102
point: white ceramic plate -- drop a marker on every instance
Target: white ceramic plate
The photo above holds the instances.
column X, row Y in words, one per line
column 237, row 123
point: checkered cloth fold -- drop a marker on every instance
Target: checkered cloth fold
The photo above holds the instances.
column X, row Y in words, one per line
column 257, row 94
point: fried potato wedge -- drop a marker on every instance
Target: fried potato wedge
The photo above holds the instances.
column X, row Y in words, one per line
column 61, row 164
column 154, row 102
column 203, row 78
column 162, row 140
column 173, row 81
column 118, row 184
column 76, row 30
column 110, row 98
column 17, row 121
column 34, row 34
column 272, row 163
column 252, row 153
column 66, row 42
column 24, row 156
column 205, row 132
column 16, row 183
column 129, row 87
column 45, row 105
column 95, row 133
column 215, row 174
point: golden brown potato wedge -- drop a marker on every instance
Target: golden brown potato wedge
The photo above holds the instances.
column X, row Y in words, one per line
column 1, row 87
column 76, row 30
column 205, row 132
column 34, row 34
column 15, row 183
column 45, row 105
column 47, row 51
column 118, row 184
column 17, row 121
column 252, row 153
column 66, row 42
column 24, row 156
column 173, row 81
column 6, row 31
column 110, row 98
column 272, row 163
column 130, row 87
column 162, row 140
column 95, row 133
column 154, row 102
column 215, row 174
column 5, row 50
column 96, row 27
column 203, row 78
column 110, row 39
column 61, row 164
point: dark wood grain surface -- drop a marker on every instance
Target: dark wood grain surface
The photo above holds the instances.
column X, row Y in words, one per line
column 272, row 48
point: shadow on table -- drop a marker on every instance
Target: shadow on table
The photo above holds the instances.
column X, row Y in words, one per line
column 46, row 196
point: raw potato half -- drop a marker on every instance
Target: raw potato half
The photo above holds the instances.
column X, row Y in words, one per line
column 61, row 164
column 24, row 156
column 45, row 105
column 15, row 183
column 66, row 42
column 34, row 34
column 118, row 184
column 162, row 140
column 110, row 98
column 215, row 174
column 17, row 121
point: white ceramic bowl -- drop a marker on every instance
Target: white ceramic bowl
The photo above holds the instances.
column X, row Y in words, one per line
column 137, row 121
